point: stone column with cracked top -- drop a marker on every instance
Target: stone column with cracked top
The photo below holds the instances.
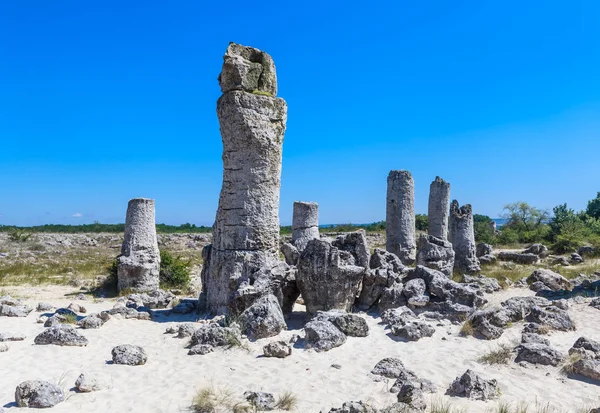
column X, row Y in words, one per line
column 138, row 265
column 252, row 123
column 462, row 237
column 438, row 209
column 305, row 223
column 400, row 216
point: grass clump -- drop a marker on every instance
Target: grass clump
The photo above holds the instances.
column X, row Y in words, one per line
column 441, row 406
column 500, row 355
column 69, row 319
column 467, row 329
column 215, row 400
column 287, row 401
column 568, row 367
column 174, row 271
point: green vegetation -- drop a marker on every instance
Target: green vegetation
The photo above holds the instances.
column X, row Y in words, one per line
column 214, row 400
column 500, row 355
column 262, row 93
column 174, row 271
column 19, row 235
column 421, row 222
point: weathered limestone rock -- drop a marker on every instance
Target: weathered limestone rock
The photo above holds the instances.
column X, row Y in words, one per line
column 518, row 258
column 385, row 268
column 139, row 262
column 462, row 237
column 129, row 355
column 279, row 349
column 435, row 253
column 438, row 209
column 305, row 223
column 537, row 353
column 263, row 318
column 38, row 394
column 61, row 335
column 474, row 387
column 400, row 216
column 551, row 280
column 356, row 244
column 252, row 121
column 483, row 249
column 327, row 277
column 323, row 335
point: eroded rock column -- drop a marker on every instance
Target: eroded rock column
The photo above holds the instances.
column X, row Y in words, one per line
column 439, row 208
column 400, row 216
column 139, row 263
column 462, row 237
column 305, row 223
column 252, row 122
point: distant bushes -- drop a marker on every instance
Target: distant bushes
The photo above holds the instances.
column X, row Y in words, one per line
column 174, row 271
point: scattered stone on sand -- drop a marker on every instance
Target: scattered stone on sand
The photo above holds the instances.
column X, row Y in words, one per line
column 12, row 337
column 44, row 307
column 278, row 349
column 350, row 324
column 216, row 336
column 550, row 279
column 260, row 400
column 323, row 335
column 538, row 353
column 38, row 394
column 61, row 335
column 77, row 308
column 201, row 349
column 263, row 318
column 94, row 321
column 474, row 387
column 129, row 354
column 86, row 383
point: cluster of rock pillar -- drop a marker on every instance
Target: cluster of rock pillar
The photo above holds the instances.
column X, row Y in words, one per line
column 138, row 266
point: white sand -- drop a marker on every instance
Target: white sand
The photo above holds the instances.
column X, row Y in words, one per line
column 170, row 378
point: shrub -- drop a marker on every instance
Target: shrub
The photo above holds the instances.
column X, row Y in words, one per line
column 421, row 222
column 174, row 271
column 18, row 235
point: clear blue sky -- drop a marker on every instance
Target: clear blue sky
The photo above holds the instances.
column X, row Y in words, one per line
column 103, row 101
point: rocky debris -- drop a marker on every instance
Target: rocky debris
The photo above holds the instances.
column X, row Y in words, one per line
column 551, row 317
column 412, row 330
column 587, row 368
column 305, row 224
column 435, row 253
column 263, row 318
column 350, row 324
column 11, row 337
column 152, row 300
column 576, row 259
column 38, row 394
column 487, row 259
column 518, row 258
column 57, row 319
column 392, row 368
column 216, row 336
column 563, row 261
column 400, row 216
column 323, row 335
column 474, row 387
column 14, row 310
column 61, row 335
column 415, row 289
column 411, row 394
column 279, row 349
column 127, row 313
column 290, row 253
column 538, row 353
column 534, row 338
column 185, row 306
column 438, row 209
column 462, row 237
column 536, row 249
column 355, row 407
column 201, row 349
column 86, row 384
column 398, row 315
column 487, row 284
column 139, row 261
column 586, row 250
column 44, row 307
column 129, row 354
column 483, row 249
column 385, row 269
column 327, row 277
column 260, row 400
column 550, row 279
column 586, row 348
column 356, row 244
column 77, row 308
column 595, row 303
column 246, row 230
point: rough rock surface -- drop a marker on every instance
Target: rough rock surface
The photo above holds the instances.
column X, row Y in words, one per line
column 11, row 337
column 385, row 269
column 278, row 349
column 290, row 253
column 94, row 320
column 400, row 216
column 355, row 407
column 412, row 330
column 350, row 324
column 438, row 208
column 356, row 244
column 86, row 383
column 462, row 237
column 487, row 284
column 587, row 368
column 129, row 354
column 139, row 263
column 552, row 317
column 305, row 223
column 252, row 123
column 38, row 394
column 260, row 400
column 537, row 249
column 323, row 335
column 586, row 348
column 61, row 335
column 263, row 318
column 551, row 280
column 215, row 335
column 518, row 258
column 538, row 353
column 483, row 249
column 200, row 349
column 435, row 253
column 534, row 338
column 14, row 310
column 474, row 387
column 327, row 277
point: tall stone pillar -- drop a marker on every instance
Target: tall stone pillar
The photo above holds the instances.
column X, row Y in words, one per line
column 400, row 216
column 252, row 122
column 305, row 223
column 138, row 265
column 462, row 237
column 439, row 208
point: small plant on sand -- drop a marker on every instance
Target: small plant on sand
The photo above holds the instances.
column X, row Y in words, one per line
column 69, row 319
column 500, row 355
column 235, row 341
column 287, row 401
column 504, row 407
column 467, row 329
column 214, row 400
column 441, row 406
column 568, row 367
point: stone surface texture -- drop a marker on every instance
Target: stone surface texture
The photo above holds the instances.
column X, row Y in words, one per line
column 462, row 237
column 439, row 208
column 400, row 216
column 305, row 223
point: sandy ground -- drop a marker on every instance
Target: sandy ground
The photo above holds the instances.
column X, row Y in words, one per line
column 170, row 378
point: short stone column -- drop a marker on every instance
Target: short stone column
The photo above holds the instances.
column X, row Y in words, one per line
column 400, row 216
column 462, row 237
column 439, row 208
column 305, row 223
column 139, row 263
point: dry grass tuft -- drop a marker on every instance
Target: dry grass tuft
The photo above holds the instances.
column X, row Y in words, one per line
column 287, row 401
column 467, row 329
column 500, row 355
column 217, row 400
